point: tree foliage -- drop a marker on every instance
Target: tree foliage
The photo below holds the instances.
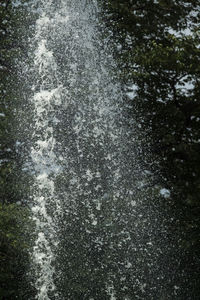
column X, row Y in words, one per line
column 13, row 216
column 158, row 53
column 13, row 253
column 162, row 61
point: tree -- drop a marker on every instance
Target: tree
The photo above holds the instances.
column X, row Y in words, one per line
column 13, row 214
column 13, row 252
column 158, row 52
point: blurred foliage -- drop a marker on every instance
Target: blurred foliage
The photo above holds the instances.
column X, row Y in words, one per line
column 157, row 50
column 10, row 50
column 13, row 251
column 13, row 214
column 163, row 64
column 149, row 18
column 167, row 76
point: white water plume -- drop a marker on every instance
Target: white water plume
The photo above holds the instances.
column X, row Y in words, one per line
column 80, row 149
column 45, row 163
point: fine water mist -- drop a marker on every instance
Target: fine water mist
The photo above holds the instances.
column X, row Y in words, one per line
column 94, row 238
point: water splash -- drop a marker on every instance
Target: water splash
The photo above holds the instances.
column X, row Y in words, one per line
column 45, row 162
column 80, row 151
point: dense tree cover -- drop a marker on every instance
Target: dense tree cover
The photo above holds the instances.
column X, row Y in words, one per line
column 158, row 53
column 13, row 254
column 164, row 66
column 12, row 51
column 13, row 216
